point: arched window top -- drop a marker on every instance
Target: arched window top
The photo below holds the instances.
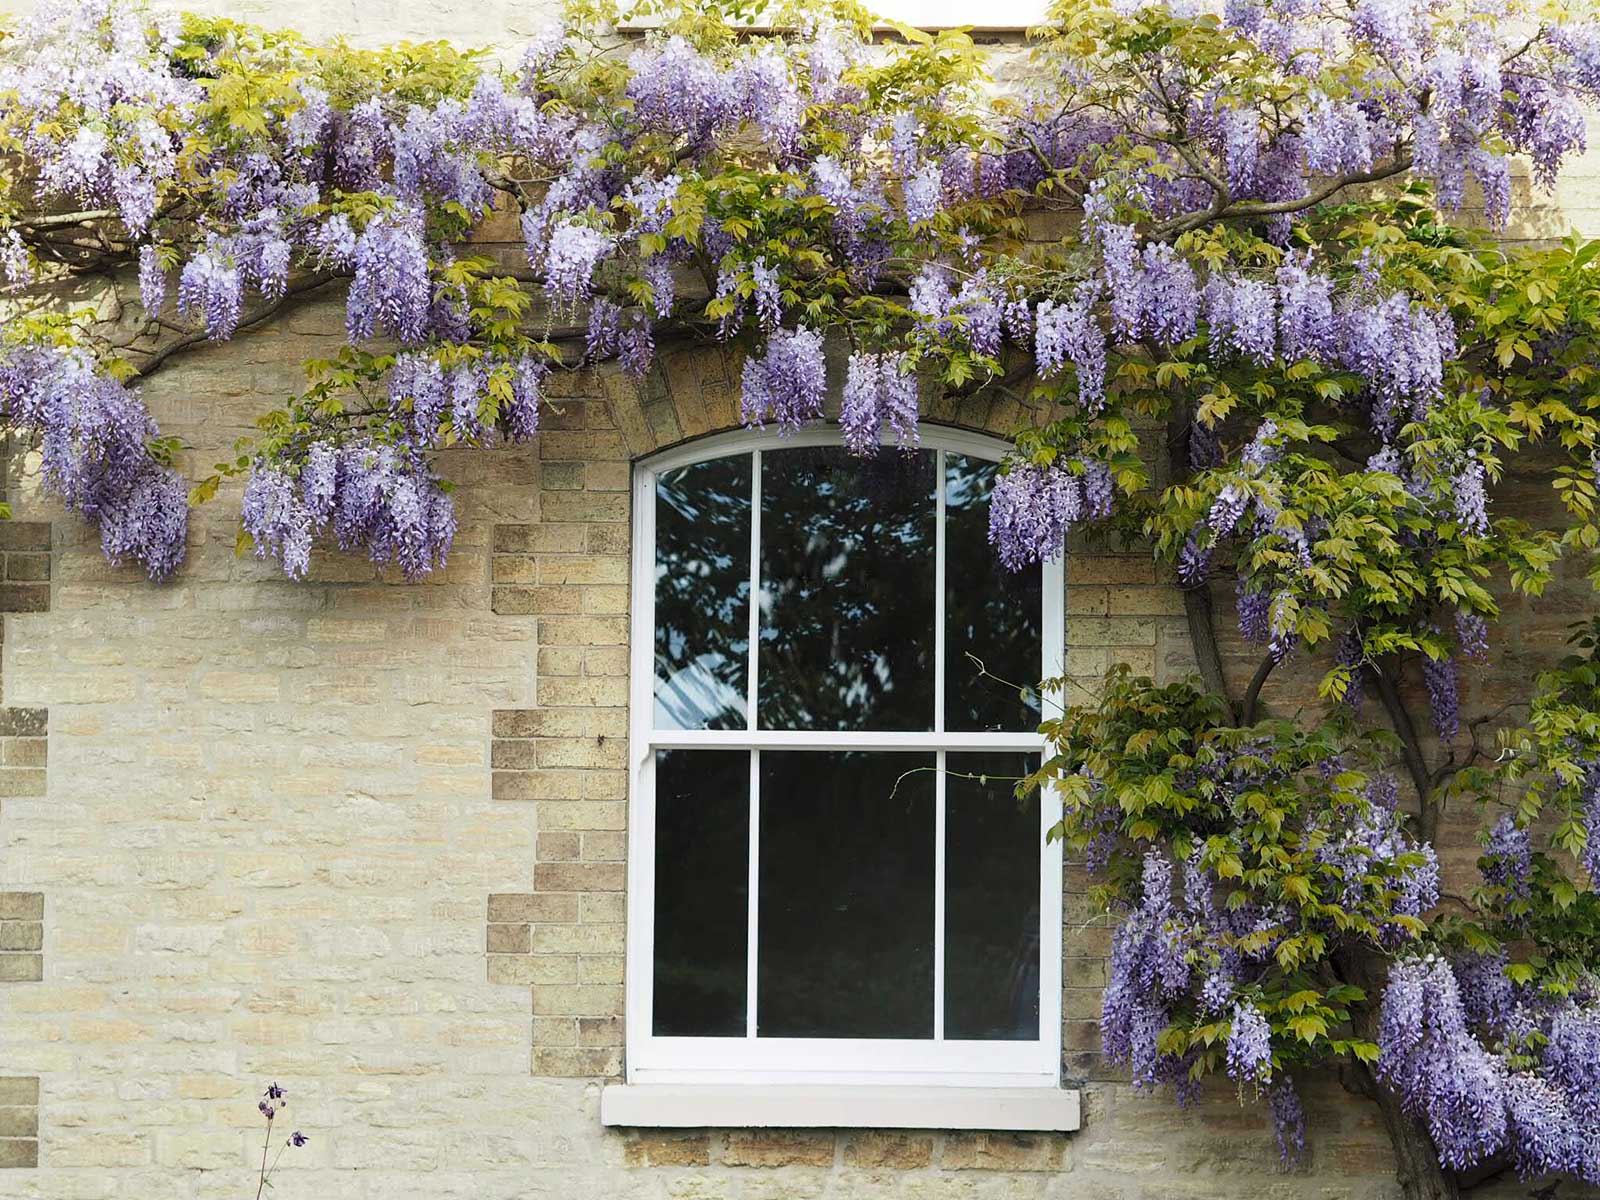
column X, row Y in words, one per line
column 833, row 684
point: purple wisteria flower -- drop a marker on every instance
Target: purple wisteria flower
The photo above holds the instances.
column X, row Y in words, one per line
column 1288, row 1120
column 1444, row 1076
column 381, row 499
column 1069, row 332
column 1508, row 858
column 1032, row 509
column 787, row 384
column 392, row 289
column 94, row 438
column 210, row 287
column 1471, row 502
column 1249, row 1045
column 570, row 258
column 879, row 388
column 1444, row 698
column 1590, row 787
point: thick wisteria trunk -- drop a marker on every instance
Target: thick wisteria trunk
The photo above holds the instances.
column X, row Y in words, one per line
column 1416, row 1159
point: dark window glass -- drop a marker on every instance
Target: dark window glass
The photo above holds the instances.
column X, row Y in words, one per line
column 703, row 594
column 847, row 579
column 846, row 895
column 991, row 614
column 991, row 907
column 702, row 892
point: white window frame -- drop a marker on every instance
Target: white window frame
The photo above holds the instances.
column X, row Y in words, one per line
column 809, row 1062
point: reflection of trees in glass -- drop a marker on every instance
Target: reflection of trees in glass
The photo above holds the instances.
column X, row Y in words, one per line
column 990, row 612
column 847, row 579
column 846, row 895
column 991, row 871
column 702, row 593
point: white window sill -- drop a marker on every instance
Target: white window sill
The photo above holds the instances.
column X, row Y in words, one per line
column 793, row 1106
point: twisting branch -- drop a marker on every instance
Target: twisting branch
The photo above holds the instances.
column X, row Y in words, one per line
column 160, row 355
column 1387, row 677
column 1247, row 709
column 1278, row 208
column 1197, row 608
column 55, row 220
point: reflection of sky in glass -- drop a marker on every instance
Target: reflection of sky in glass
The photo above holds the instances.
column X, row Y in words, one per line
column 702, row 585
column 695, row 689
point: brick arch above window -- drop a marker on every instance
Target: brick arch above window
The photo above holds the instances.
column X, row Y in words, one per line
column 693, row 392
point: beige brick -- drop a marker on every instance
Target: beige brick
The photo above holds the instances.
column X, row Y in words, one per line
column 24, row 752
column 584, row 506
column 603, row 908
column 578, row 877
column 583, row 752
column 778, row 1148
column 603, row 692
column 660, row 1148
column 20, row 781
column 559, row 847
column 1003, row 1151
column 585, row 631
column 600, row 1031
column 1089, row 568
column 603, row 601
column 602, row 968
column 580, row 446
column 555, row 1031
column 19, row 1122
column 508, row 939
column 581, row 1063
column 561, row 660
column 241, row 687
column 508, row 755
column 21, row 935
column 1146, row 601
column 605, row 660
column 21, row 968
column 899, row 1151
column 1111, row 631
column 583, row 814
column 560, row 722
column 514, row 568
column 583, row 569
column 18, row 1152
column 575, row 1000
column 543, row 538
column 19, row 1090
column 561, row 476
column 608, row 476
column 21, row 906
column 535, row 785
column 605, row 847
column 513, row 908
column 607, row 539
column 518, row 601
column 578, row 939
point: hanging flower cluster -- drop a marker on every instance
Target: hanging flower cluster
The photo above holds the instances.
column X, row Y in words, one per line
column 95, row 444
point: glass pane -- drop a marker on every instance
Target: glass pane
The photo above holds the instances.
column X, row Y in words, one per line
column 846, row 896
column 847, row 578
column 993, row 846
column 702, row 892
column 703, row 594
column 991, row 613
